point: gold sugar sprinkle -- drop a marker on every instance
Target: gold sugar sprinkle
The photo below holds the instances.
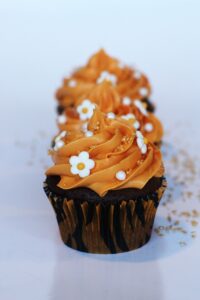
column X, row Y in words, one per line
column 128, row 171
column 194, row 223
column 139, row 162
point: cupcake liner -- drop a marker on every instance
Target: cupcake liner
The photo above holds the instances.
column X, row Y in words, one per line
column 105, row 227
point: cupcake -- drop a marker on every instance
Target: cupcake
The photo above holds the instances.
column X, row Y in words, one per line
column 105, row 188
column 127, row 81
column 110, row 102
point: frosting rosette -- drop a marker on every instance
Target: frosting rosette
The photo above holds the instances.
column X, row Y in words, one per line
column 102, row 67
column 110, row 102
column 116, row 156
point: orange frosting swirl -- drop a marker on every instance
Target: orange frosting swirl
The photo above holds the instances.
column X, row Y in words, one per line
column 113, row 148
column 104, row 95
column 129, row 82
column 102, row 61
column 108, row 100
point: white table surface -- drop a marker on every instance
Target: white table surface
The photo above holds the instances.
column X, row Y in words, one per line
column 40, row 41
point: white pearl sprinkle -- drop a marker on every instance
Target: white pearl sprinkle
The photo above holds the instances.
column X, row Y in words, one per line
column 136, row 125
column 143, row 91
column 58, row 145
column 139, row 134
column 72, row 83
column 120, row 175
column 140, row 106
column 137, row 75
column 144, row 149
column 62, row 119
column 60, row 136
column 89, row 133
column 126, row 101
column 105, row 75
column 63, row 134
column 148, row 127
column 110, row 115
column 84, row 127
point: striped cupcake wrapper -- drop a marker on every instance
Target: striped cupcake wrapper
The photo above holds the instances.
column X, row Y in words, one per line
column 111, row 228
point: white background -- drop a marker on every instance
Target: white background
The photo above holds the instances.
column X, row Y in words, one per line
column 40, row 42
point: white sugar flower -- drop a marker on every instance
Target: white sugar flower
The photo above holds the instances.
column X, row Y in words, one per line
column 143, row 91
column 72, row 83
column 105, row 75
column 58, row 142
column 141, row 107
column 148, row 127
column 141, row 142
column 86, row 110
column 126, row 101
column 81, row 164
column 62, row 119
column 111, row 115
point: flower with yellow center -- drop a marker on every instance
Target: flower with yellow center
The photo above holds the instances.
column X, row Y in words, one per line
column 81, row 164
column 85, row 110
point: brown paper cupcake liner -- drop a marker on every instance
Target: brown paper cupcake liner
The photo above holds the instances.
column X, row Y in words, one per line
column 113, row 227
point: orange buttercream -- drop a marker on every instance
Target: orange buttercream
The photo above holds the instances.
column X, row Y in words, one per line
column 113, row 148
column 109, row 100
column 128, row 83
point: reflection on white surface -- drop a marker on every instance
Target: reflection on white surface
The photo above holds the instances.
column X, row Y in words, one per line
column 40, row 42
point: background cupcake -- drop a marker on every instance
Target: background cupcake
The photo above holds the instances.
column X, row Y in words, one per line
column 100, row 67
column 110, row 102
